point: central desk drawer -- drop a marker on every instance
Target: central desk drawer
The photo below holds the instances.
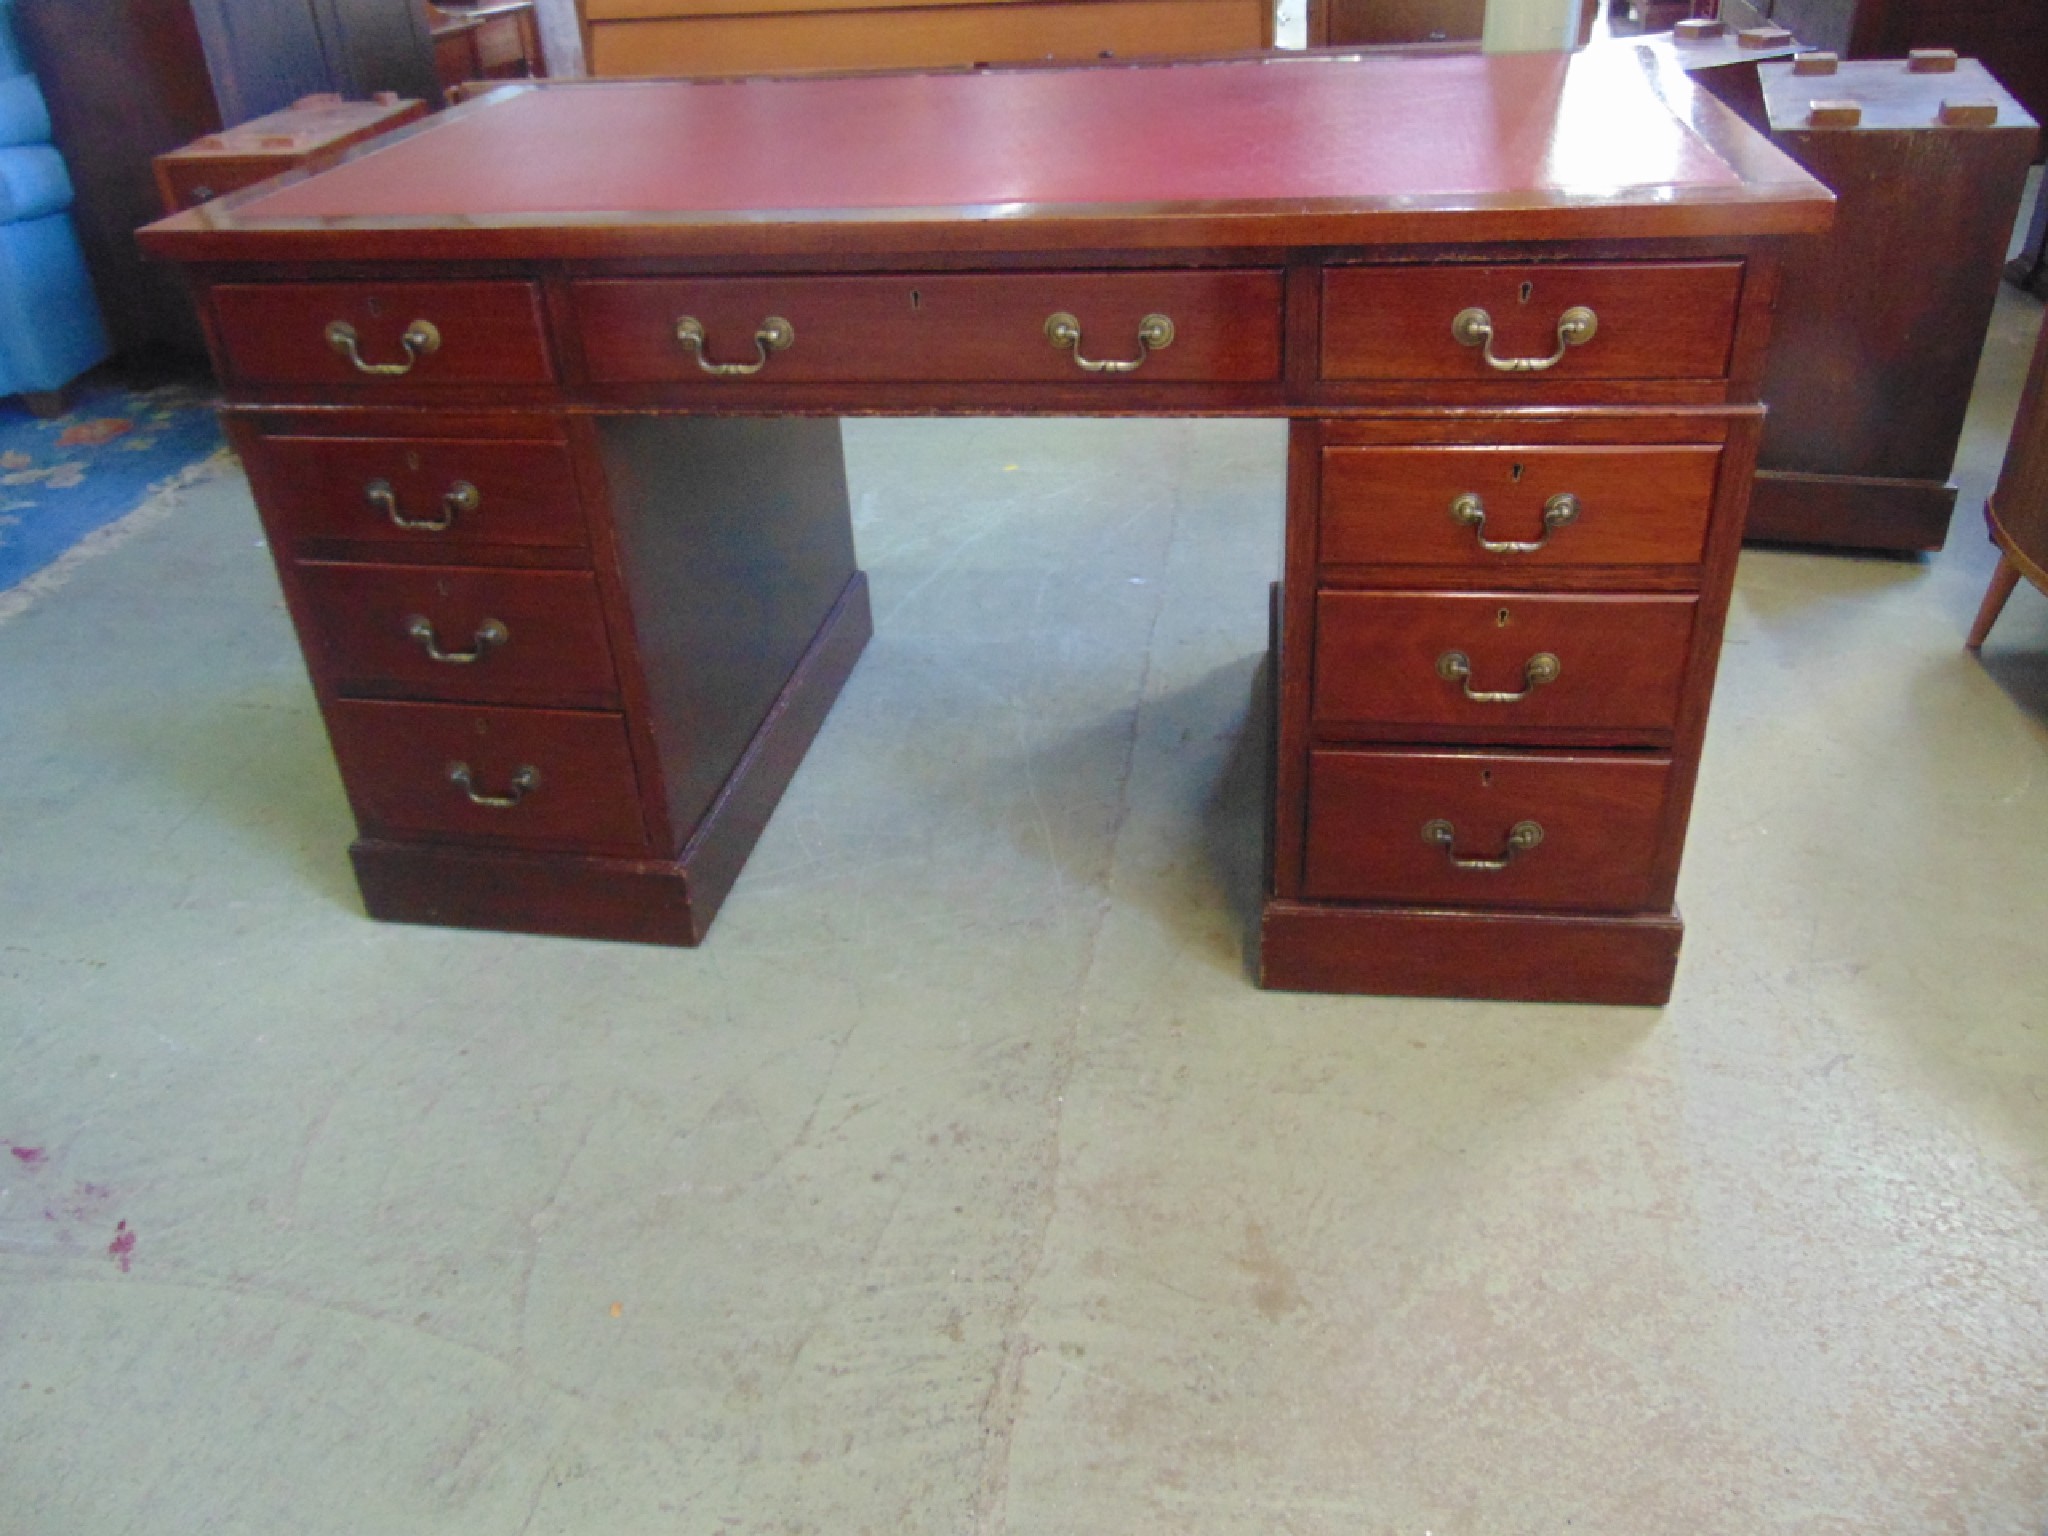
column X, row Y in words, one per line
column 1649, row 320
column 399, row 340
column 433, row 497
column 484, row 636
column 1502, row 663
column 747, row 332
column 1487, row 829
column 515, row 776
column 1483, row 508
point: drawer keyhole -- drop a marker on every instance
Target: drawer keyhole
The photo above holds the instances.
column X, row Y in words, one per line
column 1528, row 292
column 1500, row 619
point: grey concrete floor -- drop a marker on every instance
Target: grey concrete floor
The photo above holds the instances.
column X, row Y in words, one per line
column 963, row 1184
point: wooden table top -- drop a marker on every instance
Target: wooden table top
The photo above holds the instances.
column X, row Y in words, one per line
column 1277, row 150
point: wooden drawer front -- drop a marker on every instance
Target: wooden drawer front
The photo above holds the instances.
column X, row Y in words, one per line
column 424, row 495
column 537, row 637
column 1669, row 320
column 1579, row 506
column 396, row 760
column 932, row 328
column 1599, row 819
column 489, row 333
column 1379, row 661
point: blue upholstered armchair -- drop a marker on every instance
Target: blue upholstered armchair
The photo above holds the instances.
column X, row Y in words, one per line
column 50, row 329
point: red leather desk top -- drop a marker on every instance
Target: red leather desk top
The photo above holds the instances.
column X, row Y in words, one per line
column 1231, row 152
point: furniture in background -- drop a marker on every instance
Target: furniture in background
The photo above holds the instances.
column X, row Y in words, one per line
column 1376, row 23
column 743, row 37
column 50, row 329
column 2017, row 510
column 312, row 131
column 497, row 40
column 128, row 80
column 560, row 512
column 2009, row 36
column 1881, row 323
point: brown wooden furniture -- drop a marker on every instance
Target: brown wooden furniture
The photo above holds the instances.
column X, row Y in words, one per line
column 312, row 131
column 496, row 40
column 128, row 80
column 2017, row 510
column 1880, row 324
column 742, row 37
column 558, row 504
column 1339, row 23
column 2009, row 36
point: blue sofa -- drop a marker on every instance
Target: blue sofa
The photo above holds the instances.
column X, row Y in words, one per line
column 50, row 330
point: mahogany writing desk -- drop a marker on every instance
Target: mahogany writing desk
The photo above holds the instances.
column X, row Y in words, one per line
column 539, row 402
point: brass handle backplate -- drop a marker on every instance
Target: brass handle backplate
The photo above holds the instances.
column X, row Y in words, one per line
column 1456, row 667
column 1155, row 334
column 1575, row 327
column 1470, row 511
column 525, row 780
column 459, row 497
column 489, row 635
column 1522, row 836
column 775, row 335
column 421, row 338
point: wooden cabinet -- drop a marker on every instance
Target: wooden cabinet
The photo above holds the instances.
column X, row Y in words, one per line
column 1378, row 23
column 1881, row 323
column 2017, row 510
column 740, row 37
column 129, row 80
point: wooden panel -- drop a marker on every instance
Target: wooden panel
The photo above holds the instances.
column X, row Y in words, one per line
column 1635, row 506
column 1671, row 320
column 922, row 37
column 1620, row 659
column 552, row 651
column 490, row 333
column 326, row 489
column 396, row 760
column 1382, row 22
column 1599, row 818
column 932, row 327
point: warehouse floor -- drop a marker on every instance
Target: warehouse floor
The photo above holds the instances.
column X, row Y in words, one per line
column 963, row 1183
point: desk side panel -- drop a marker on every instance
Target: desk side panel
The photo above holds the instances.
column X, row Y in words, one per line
column 735, row 541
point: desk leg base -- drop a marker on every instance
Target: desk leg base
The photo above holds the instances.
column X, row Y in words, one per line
column 1415, row 952
column 1849, row 511
column 639, row 901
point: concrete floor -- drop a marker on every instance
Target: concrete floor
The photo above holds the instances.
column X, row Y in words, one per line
column 962, row 1184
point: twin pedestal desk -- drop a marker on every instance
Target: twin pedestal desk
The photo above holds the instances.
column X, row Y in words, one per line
column 539, row 401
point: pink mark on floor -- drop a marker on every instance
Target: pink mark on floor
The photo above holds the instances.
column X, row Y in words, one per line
column 122, row 1249
column 28, row 1156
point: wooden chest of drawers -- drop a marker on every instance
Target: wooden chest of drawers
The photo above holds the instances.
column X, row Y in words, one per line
column 561, row 512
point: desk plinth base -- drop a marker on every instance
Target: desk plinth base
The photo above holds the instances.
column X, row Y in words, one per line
column 641, row 901
column 1849, row 511
column 1420, row 952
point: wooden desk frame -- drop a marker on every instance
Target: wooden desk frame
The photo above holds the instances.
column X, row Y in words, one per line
column 729, row 607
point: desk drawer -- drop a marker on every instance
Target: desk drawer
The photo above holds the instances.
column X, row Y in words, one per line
column 1393, row 661
column 1652, row 320
column 437, row 497
column 395, row 339
column 1481, row 508
column 560, row 778
column 503, row 637
column 931, row 328
column 1440, row 828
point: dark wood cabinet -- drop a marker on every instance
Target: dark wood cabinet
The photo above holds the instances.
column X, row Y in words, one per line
column 2009, row 36
column 128, row 80
column 1338, row 23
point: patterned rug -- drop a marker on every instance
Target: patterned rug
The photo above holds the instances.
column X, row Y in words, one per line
column 70, row 484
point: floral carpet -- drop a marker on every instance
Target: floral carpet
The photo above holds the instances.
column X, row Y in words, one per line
column 64, row 478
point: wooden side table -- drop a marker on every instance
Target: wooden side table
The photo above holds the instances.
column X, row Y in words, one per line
column 2018, row 509
column 499, row 40
column 312, row 131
